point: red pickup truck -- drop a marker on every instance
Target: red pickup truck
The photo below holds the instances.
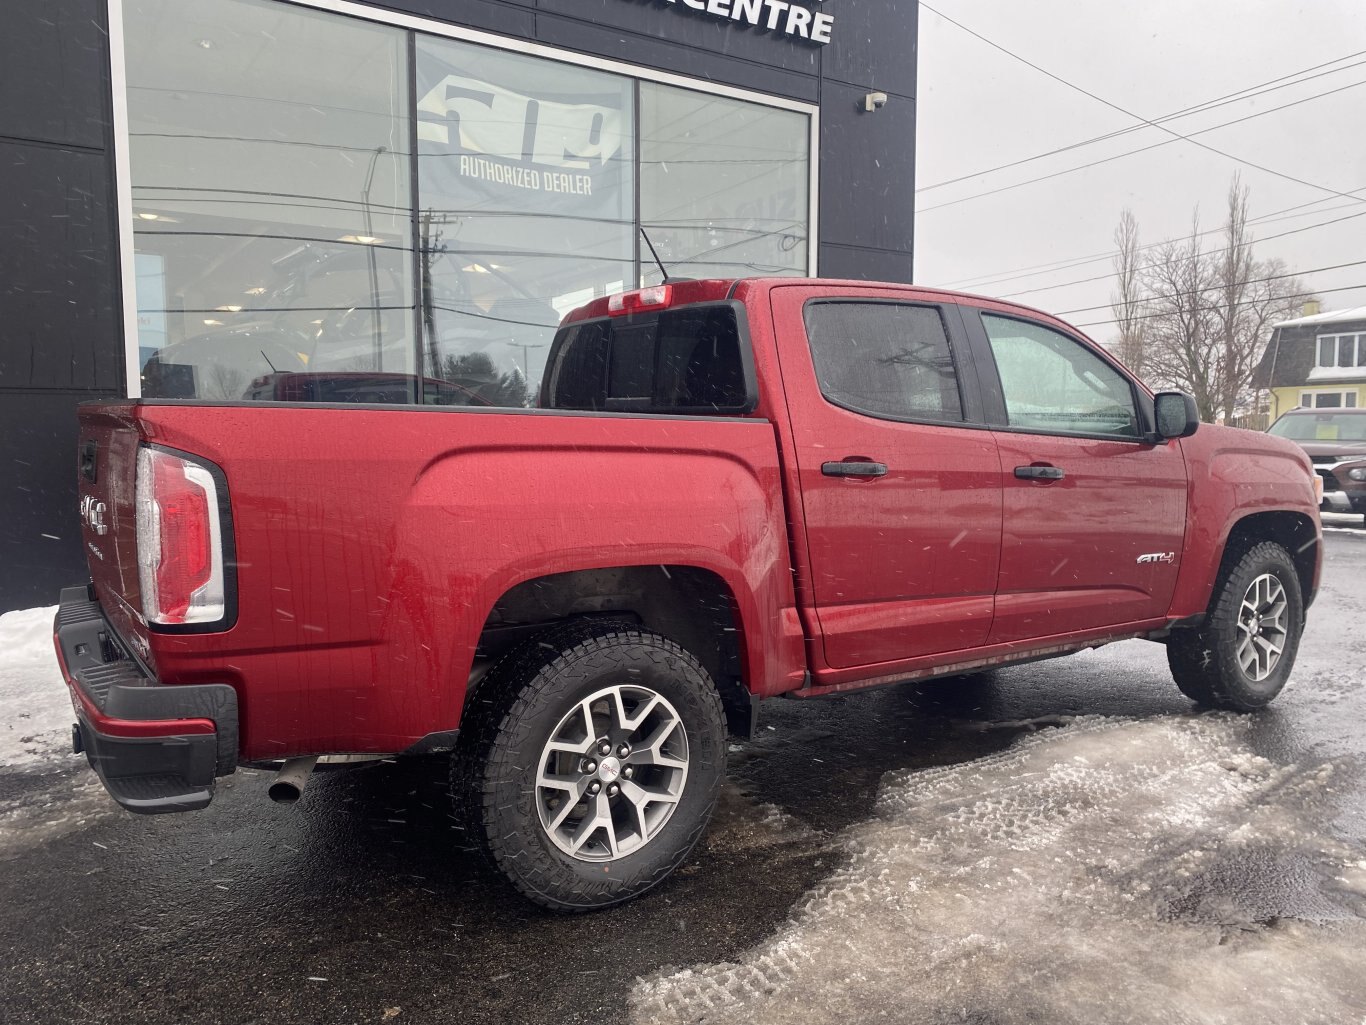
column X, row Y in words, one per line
column 728, row 491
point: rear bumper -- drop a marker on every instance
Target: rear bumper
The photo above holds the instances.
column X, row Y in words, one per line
column 155, row 748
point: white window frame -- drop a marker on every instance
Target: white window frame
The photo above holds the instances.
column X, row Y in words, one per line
column 1307, row 398
column 123, row 180
column 1358, row 350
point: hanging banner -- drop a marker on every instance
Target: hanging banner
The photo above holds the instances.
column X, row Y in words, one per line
column 785, row 16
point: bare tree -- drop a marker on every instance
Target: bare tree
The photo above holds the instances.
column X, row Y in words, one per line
column 1127, row 300
column 1204, row 316
column 1179, row 279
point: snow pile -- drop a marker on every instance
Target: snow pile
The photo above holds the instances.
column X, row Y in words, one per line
column 1106, row 871
column 35, row 708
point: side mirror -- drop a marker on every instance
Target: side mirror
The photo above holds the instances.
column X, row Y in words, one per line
column 1176, row 414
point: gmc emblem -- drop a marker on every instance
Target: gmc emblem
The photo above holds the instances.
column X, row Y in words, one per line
column 92, row 512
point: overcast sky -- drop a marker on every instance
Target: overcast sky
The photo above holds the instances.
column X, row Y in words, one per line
column 979, row 108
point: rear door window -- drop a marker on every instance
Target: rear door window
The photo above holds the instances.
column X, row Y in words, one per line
column 889, row 360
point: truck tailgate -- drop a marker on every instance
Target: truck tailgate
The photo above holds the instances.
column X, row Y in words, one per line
column 107, row 458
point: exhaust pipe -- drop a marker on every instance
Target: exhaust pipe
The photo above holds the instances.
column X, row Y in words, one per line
column 288, row 785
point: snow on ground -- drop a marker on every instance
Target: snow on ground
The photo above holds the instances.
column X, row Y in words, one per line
column 36, row 807
column 45, row 791
column 35, row 708
column 1107, row 871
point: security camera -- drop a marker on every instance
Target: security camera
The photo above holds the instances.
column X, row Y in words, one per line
column 874, row 101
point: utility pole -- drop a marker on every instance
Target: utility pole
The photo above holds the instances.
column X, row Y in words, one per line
column 526, row 367
column 370, row 256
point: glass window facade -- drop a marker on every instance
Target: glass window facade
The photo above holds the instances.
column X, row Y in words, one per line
column 724, row 185
column 328, row 209
column 271, row 197
column 526, row 195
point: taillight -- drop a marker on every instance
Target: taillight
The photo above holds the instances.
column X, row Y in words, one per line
column 656, row 297
column 180, row 541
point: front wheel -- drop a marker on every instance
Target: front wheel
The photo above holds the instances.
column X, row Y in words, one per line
column 590, row 762
column 1242, row 655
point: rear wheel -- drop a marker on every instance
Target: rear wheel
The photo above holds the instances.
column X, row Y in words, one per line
column 1242, row 655
column 590, row 762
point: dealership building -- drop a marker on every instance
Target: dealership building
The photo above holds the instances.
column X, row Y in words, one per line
column 322, row 200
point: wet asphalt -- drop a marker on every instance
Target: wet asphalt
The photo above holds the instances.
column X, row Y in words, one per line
column 361, row 904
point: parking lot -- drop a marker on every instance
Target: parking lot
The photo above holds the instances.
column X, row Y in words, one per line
column 1063, row 842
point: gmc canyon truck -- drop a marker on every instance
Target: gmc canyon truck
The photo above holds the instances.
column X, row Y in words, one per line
column 728, row 491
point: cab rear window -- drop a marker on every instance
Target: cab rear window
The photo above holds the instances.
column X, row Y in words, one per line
column 692, row 360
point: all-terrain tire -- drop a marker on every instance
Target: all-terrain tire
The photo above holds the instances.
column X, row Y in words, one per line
column 513, row 715
column 1205, row 662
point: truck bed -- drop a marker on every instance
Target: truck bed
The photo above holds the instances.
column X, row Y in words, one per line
column 373, row 542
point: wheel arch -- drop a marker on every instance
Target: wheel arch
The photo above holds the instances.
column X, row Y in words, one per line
column 1296, row 532
column 693, row 606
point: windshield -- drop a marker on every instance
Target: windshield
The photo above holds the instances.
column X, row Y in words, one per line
column 1321, row 427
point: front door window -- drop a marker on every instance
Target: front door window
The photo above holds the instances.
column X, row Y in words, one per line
column 1052, row 383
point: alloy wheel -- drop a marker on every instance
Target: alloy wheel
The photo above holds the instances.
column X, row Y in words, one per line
column 612, row 773
column 1262, row 629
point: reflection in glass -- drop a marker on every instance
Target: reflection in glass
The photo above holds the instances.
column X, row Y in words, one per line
column 276, row 221
column 526, row 208
column 723, row 185
column 1053, row 383
column 884, row 359
column 272, row 208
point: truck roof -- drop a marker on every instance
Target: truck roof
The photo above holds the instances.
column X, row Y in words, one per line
column 684, row 292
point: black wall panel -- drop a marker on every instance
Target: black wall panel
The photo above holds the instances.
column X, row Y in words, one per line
column 507, row 17
column 60, row 340
column 875, row 46
column 683, row 26
column 868, row 169
column 864, row 264
column 59, row 324
column 54, row 78
column 668, row 55
column 40, row 538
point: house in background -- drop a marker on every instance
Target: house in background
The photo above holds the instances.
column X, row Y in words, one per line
column 1316, row 361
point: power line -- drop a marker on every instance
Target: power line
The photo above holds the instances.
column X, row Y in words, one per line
column 1138, row 117
column 1213, row 252
column 1222, row 306
column 1248, row 93
column 1158, row 145
column 1036, row 269
column 1033, row 270
column 1218, row 287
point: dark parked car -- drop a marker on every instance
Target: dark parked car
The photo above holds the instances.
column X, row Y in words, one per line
column 1335, row 440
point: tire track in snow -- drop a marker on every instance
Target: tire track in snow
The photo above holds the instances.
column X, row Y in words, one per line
column 1106, row 871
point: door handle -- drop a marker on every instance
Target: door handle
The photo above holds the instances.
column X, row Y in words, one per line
column 1039, row 473
column 854, row 468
